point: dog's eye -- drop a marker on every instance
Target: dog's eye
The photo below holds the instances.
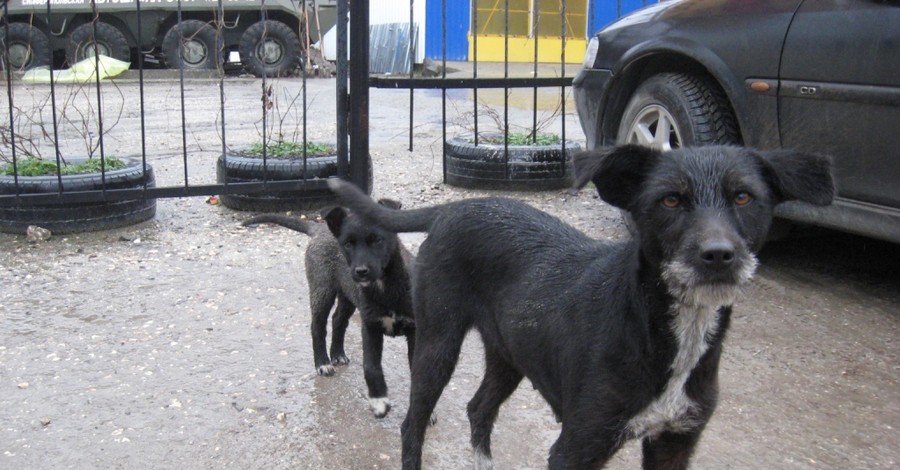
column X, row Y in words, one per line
column 374, row 240
column 742, row 198
column 671, row 201
column 348, row 246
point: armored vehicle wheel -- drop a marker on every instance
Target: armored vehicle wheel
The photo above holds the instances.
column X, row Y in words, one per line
column 194, row 45
column 108, row 39
column 28, row 47
column 270, row 48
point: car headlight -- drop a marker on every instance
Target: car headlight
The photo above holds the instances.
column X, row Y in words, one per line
column 591, row 54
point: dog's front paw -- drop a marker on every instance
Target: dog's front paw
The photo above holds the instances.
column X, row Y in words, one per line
column 380, row 406
column 340, row 359
column 326, row 369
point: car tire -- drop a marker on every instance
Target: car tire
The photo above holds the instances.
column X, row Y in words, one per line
column 270, row 48
column 28, row 47
column 110, row 42
column 193, row 45
column 672, row 110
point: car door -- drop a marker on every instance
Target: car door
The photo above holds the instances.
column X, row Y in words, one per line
column 839, row 93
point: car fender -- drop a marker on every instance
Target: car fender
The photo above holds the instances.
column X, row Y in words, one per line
column 638, row 58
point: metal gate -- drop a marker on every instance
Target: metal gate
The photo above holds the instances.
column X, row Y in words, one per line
column 47, row 120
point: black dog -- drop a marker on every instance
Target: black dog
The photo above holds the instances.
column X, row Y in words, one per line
column 622, row 339
column 373, row 277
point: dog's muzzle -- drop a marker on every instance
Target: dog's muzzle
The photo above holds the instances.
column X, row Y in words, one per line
column 713, row 273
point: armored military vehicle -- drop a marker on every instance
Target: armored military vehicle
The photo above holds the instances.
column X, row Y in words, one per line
column 270, row 37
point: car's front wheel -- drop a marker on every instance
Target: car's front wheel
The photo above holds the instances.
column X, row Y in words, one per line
column 672, row 110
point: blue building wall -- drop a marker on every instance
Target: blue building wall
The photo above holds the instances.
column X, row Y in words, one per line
column 457, row 24
column 601, row 13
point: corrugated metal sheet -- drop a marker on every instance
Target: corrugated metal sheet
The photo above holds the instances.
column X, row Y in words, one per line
column 389, row 47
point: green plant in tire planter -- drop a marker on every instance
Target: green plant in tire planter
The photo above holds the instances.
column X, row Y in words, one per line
column 24, row 171
column 528, row 159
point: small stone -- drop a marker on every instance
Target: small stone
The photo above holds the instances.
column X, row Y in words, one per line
column 35, row 234
column 45, row 422
column 23, row 385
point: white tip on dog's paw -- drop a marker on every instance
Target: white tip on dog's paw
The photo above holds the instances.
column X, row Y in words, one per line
column 483, row 461
column 340, row 360
column 380, row 406
column 326, row 370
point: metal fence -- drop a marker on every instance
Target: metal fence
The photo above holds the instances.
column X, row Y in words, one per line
column 49, row 123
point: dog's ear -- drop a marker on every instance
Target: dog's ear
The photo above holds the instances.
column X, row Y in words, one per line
column 617, row 172
column 798, row 176
column 335, row 219
column 390, row 203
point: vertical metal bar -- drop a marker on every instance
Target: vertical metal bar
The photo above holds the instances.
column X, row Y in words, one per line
column 562, row 88
column 266, row 99
column 141, row 94
column 220, row 25
column 412, row 68
column 444, row 90
column 475, row 67
column 181, row 84
column 59, row 159
column 94, row 22
column 534, row 104
column 343, row 98
column 359, row 95
column 506, row 90
column 304, row 122
column 9, row 95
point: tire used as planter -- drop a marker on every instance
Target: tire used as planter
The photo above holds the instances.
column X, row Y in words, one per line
column 234, row 168
column 529, row 167
column 270, row 48
column 72, row 217
column 28, row 47
column 109, row 42
column 193, row 45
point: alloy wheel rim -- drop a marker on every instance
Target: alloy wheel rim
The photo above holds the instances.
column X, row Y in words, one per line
column 655, row 127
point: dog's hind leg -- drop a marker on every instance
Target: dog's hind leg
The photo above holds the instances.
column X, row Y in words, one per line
column 669, row 451
column 433, row 363
column 339, row 322
column 500, row 381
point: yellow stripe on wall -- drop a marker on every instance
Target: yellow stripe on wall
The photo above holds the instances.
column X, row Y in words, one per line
column 521, row 49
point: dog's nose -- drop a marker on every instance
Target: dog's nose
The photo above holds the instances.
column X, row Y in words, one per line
column 361, row 271
column 717, row 254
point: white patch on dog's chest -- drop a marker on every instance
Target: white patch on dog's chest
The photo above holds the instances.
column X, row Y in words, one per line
column 673, row 409
column 387, row 322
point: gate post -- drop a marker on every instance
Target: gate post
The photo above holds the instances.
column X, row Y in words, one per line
column 359, row 95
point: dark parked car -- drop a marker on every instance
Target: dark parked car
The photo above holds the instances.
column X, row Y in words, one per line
column 812, row 75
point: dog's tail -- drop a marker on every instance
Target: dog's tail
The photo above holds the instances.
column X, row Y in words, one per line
column 292, row 223
column 413, row 220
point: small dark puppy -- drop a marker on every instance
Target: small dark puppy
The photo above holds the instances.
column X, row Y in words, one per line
column 622, row 339
column 362, row 266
